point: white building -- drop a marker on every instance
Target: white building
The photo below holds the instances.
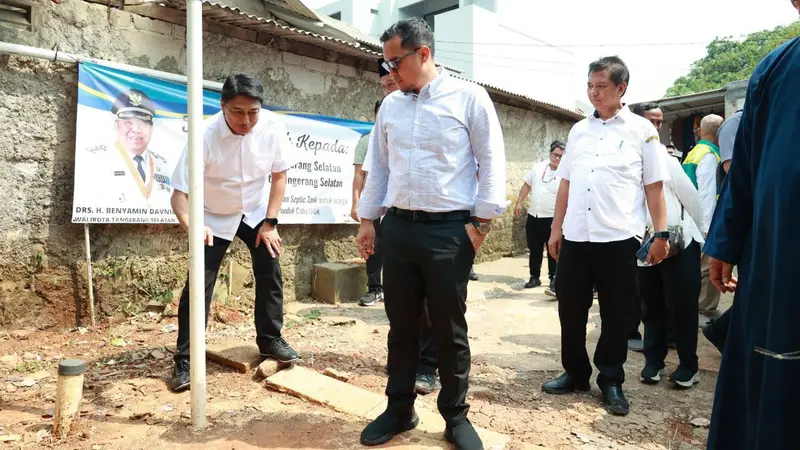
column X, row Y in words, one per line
column 486, row 40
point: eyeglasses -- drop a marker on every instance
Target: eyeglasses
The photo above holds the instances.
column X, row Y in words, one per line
column 395, row 63
column 556, row 155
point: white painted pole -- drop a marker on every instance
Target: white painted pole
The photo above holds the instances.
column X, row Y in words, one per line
column 89, row 271
column 197, row 308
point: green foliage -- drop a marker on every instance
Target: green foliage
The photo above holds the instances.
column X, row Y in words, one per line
column 730, row 60
column 29, row 367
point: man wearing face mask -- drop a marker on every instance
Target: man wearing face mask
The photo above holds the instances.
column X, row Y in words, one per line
column 610, row 175
column 244, row 148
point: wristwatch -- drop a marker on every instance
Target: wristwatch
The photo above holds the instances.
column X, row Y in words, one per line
column 661, row 235
column 482, row 227
column 271, row 221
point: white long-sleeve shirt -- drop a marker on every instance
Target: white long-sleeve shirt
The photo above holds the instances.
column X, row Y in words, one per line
column 425, row 150
column 707, row 187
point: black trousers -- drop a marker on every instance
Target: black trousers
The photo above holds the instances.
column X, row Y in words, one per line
column 427, row 260
column 375, row 262
column 269, row 290
column 427, row 352
column 537, row 231
column 611, row 267
column 670, row 290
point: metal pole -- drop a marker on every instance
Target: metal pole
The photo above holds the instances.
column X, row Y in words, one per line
column 197, row 307
column 89, row 271
column 52, row 55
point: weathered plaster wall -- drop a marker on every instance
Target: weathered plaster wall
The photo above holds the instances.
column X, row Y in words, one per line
column 41, row 253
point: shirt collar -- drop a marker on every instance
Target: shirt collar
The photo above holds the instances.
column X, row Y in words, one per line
column 434, row 86
column 710, row 144
column 624, row 114
column 222, row 127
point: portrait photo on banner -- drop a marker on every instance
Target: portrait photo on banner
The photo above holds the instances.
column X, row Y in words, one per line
column 131, row 130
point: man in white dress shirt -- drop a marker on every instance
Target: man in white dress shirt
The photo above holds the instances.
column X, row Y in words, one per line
column 610, row 167
column 428, row 141
column 244, row 148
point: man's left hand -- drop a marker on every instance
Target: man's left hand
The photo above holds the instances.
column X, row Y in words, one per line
column 268, row 234
column 475, row 236
column 659, row 250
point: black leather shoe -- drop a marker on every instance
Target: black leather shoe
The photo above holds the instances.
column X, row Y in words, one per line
column 472, row 275
column 180, row 376
column 614, row 400
column 280, row 350
column 463, row 436
column 532, row 283
column 564, row 384
column 387, row 425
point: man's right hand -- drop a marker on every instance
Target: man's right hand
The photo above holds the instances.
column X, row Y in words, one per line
column 208, row 236
column 721, row 275
column 517, row 209
column 554, row 245
column 354, row 213
column 366, row 239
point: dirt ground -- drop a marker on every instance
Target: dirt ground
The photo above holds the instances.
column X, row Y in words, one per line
column 514, row 334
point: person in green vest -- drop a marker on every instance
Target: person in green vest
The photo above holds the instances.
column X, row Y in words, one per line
column 701, row 166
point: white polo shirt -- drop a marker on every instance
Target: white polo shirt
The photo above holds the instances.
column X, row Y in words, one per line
column 236, row 171
column 544, row 188
column 608, row 163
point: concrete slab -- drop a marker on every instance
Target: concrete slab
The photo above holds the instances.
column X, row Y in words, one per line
column 346, row 398
column 339, row 282
column 234, row 353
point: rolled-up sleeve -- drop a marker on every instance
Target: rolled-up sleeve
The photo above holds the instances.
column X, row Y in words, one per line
column 654, row 167
column 370, row 205
column 486, row 139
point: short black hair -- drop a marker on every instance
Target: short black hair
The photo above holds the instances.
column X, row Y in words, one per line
column 242, row 84
column 617, row 70
column 377, row 106
column 670, row 146
column 557, row 144
column 641, row 108
column 413, row 34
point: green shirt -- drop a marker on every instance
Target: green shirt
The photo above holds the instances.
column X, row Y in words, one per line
column 361, row 149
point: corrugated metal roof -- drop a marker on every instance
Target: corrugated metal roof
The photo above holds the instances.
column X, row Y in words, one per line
column 235, row 17
column 528, row 100
column 295, row 6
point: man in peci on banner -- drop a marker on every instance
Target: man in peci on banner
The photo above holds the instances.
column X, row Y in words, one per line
column 242, row 146
column 131, row 174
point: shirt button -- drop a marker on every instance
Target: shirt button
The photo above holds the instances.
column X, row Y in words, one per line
column 590, row 209
column 589, row 190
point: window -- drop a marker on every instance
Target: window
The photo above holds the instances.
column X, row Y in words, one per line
column 17, row 15
column 431, row 17
column 374, row 11
column 337, row 16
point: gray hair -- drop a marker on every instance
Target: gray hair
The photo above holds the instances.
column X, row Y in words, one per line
column 413, row 34
column 710, row 124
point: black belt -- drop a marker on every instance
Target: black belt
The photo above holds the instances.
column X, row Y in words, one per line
column 425, row 216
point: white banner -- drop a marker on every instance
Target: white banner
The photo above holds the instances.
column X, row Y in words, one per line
column 131, row 130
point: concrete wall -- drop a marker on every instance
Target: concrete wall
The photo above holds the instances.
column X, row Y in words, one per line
column 42, row 273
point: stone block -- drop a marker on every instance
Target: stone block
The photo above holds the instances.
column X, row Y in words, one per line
column 234, row 353
column 270, row 367
column 339, row 282
column 239, row 278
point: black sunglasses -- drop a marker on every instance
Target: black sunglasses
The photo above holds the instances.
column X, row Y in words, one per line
column 395, row 63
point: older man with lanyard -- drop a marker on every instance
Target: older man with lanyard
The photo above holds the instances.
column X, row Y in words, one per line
column 425, row 145
column 610, row 166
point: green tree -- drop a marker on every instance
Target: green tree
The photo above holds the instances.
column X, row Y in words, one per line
column 731, row 60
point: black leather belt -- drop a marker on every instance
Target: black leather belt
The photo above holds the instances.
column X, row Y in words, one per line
column 424, row 216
